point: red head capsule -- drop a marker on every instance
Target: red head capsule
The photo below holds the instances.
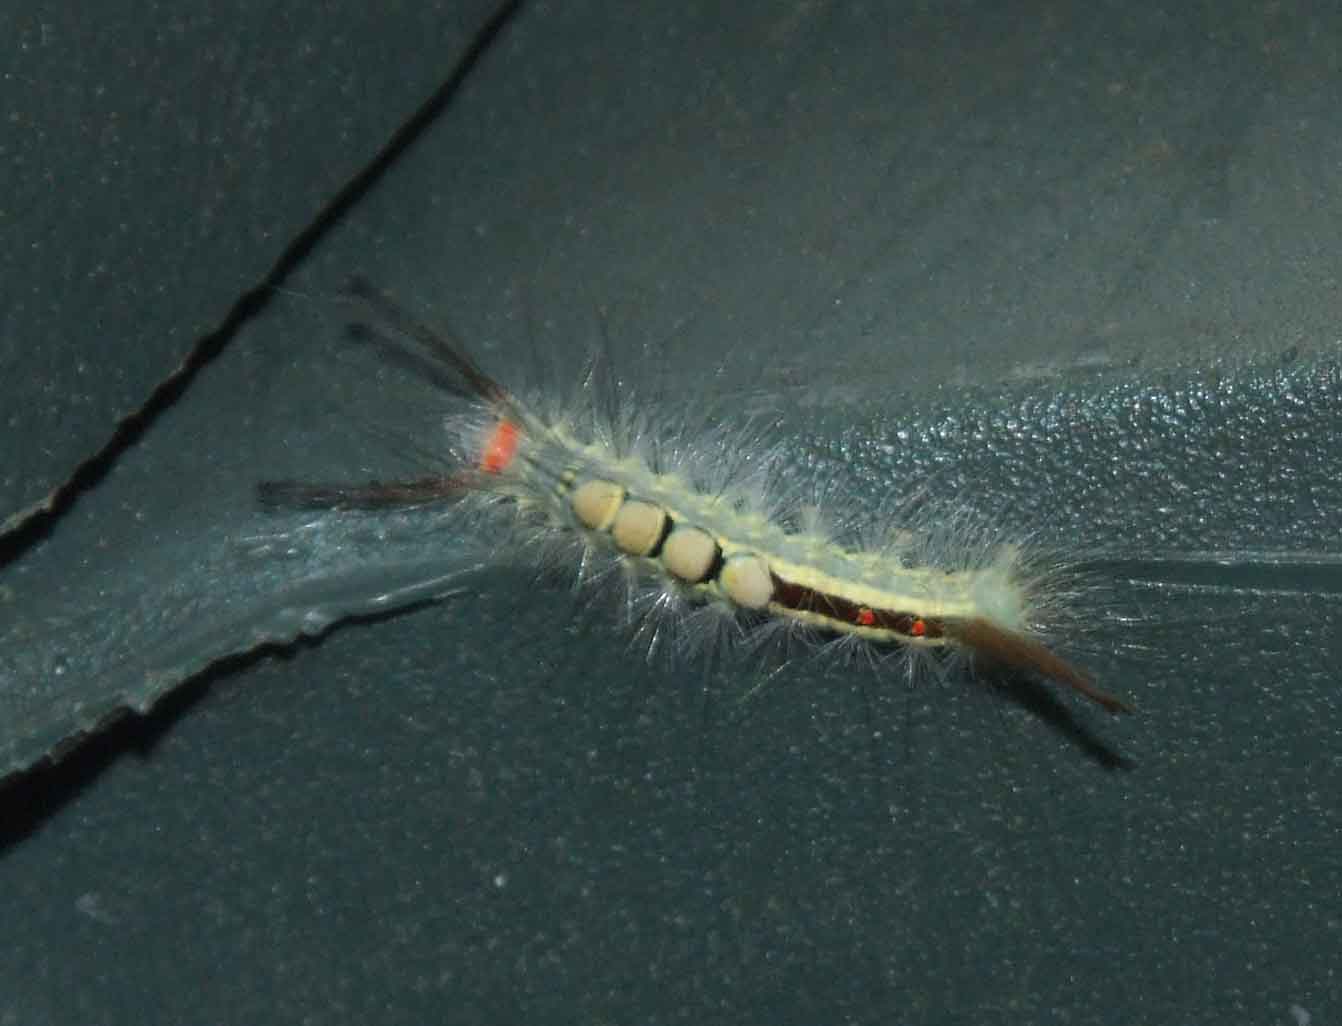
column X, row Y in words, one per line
column 500, row 447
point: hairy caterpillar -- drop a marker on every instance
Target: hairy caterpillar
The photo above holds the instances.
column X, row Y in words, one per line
column 700, row 531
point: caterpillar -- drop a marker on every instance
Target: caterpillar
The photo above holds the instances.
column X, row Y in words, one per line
column 699, row 529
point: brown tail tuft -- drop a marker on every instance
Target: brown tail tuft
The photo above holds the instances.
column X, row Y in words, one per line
column 1025, row 653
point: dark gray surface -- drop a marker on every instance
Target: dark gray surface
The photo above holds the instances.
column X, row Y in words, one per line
column 157, row 159
column 994, row 255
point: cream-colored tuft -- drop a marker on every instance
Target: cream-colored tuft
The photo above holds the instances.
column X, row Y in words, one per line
column 747, row 581
column 638, row 527
column 689, row 553
column 595, row 503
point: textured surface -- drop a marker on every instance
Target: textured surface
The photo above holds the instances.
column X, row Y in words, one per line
column 1072, row 267
column 156, row 161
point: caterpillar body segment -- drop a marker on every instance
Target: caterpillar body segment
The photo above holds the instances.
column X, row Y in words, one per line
column 691, row 530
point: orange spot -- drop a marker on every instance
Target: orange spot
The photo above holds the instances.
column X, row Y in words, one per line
column 865, row 617
column 919, row 628
column 500, row 447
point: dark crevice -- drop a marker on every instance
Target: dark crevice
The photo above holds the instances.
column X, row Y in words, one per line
column 132, row 427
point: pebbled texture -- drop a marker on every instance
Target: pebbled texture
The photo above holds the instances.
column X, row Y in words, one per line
column 1078, row 263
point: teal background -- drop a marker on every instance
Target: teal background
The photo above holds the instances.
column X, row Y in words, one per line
column 1071, row 265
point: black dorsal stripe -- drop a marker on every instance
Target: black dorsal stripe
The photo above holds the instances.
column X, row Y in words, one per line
column 843, row 611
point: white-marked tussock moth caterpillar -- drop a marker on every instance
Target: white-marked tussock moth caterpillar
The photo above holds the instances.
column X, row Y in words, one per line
column 693, row 527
